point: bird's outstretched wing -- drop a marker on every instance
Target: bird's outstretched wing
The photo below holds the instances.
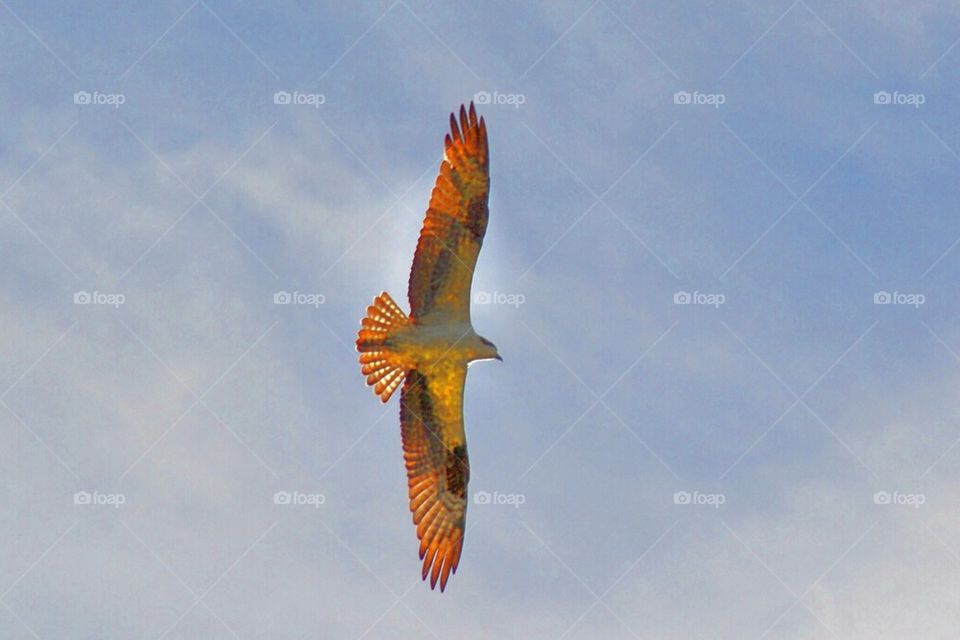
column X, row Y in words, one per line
column 435, row 451
column 453, row 229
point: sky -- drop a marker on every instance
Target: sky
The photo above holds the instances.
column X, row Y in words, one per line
column 720, row 268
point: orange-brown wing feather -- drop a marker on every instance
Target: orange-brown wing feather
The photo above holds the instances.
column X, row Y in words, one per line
column 435, row 452
column 453, row 229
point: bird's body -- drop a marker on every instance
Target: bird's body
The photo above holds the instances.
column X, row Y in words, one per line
column 429, row 350
column 420, row 346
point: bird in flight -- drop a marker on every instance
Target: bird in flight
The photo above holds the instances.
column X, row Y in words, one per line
column 429, row 350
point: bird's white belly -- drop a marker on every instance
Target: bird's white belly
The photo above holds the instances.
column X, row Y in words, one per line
column 432, row 343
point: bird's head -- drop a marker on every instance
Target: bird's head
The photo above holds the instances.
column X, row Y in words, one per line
column 486, row 350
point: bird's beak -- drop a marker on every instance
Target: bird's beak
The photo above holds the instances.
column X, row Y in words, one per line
column 498, row 357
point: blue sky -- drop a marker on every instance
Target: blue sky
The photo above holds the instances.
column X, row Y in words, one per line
column 776, row 459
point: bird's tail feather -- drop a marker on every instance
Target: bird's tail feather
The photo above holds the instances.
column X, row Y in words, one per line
column 377, row 360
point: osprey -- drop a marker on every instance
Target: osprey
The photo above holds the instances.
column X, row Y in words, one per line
column 429, row 350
